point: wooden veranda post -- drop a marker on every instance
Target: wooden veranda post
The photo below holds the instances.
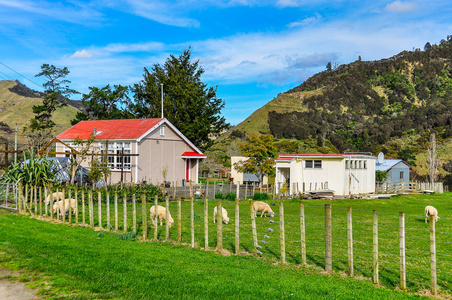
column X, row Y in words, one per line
column 328, row 239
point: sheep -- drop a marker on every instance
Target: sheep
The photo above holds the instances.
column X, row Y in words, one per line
column 264, row 208
column 224, row 215
column 430, row 211
column 161, row 214
column 63, row 206
column 55, row 196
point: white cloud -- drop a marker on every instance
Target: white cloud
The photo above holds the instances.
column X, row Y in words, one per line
column 401, row 7
column 82, row 54
column 305, row 22
column 289, row 3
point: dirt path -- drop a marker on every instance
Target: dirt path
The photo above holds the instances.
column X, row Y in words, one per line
column 13, row 290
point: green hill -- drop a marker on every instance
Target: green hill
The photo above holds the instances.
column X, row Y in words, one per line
column 16, row 102
column 389, row 105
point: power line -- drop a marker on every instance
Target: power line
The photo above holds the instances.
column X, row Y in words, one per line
column 21, row 75
column 6, row 76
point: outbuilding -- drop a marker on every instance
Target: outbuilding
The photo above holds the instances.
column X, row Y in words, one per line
column 343, row 174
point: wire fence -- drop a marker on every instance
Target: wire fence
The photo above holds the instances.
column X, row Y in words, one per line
column 391, row 249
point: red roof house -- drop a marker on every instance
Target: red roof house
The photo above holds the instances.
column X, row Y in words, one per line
column 154, row 150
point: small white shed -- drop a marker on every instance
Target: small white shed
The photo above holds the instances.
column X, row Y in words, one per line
column 344, row 174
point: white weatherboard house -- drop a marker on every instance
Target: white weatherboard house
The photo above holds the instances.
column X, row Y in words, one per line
column 344, row 174
column 396, row 169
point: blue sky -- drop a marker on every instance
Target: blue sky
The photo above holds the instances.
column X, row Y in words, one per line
column 251, row 49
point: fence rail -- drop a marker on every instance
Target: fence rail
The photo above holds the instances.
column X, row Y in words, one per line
column 391, row 249
column 398, row 187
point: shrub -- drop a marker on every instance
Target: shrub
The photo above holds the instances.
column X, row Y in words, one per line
column 230, row 196
column 218, row 195
column 128, row 236
column 261, row 196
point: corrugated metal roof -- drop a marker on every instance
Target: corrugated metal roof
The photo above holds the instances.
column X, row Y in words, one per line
column 193, row 154
column 388, row 164
column 110, row 129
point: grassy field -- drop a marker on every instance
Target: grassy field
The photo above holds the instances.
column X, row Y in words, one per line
column 417, row 236
column 66, row 262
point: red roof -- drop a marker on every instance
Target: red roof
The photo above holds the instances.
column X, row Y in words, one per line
column 193, row 155
column 110, row 129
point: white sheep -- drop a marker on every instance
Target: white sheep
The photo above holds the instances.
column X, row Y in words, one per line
column 55, row 196
column 224, row 215
column 63, row 206
column 161, row 214
column 430, row 211
column 264, row 208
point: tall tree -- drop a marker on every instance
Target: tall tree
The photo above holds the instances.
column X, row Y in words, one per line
column 188, row 103
column 261, row 153
column 103, row 103
column 56, row 93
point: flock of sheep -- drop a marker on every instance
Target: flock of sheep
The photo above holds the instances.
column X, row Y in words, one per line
column 62, row 206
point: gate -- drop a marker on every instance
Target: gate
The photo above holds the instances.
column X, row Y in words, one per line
column 8, row 195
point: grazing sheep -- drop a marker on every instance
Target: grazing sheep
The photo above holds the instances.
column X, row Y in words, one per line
column 55, row 196
column 264, row 208
column 430, row 211
column 63, row 206
column 161, row 214
column 224, row 215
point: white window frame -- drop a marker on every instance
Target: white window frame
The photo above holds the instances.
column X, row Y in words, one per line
column 311, row 164
column 114, row 162
column 162, row 130
column 317, row 164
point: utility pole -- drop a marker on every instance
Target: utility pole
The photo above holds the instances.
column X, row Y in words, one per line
column 161, row 84
column 15, row 146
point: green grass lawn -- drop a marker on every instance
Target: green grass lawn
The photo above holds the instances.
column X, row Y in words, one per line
column 417, row 234
column 67, row 262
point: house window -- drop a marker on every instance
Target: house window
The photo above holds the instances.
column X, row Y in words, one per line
column 162, row 130
column 68, row 150
column 365, row 164
column 115, row 163
column 317, row 164
column 360, row 164
column 308, row 164
column 401, row 175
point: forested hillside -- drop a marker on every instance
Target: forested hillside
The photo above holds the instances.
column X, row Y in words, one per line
column 390, row 105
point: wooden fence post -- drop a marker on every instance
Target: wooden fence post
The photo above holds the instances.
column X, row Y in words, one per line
column 237, row 226
column 253, row 226
column 76, row 205
column 246, row 190
column 192, row 222
column 328, row 239
column 350, row 242
column 433, row 255
column 206, row 224
column 402, row 251
column 167, row 217
column 83, row 207
column 40, row 201
column 35, row 190
column 125, row 212
column 69, row 204
column 282, row 233
column 238, row 190
column 116, row 212
column 179, row 221
column 219, row 217
column 375, row 278
column 303, row 234
column 143, row 215
column 108, row 212
column 63, row 215
column 45, row 201
column 99, row 196
column 134, row 216
column 91, row 206
column 156, row 218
